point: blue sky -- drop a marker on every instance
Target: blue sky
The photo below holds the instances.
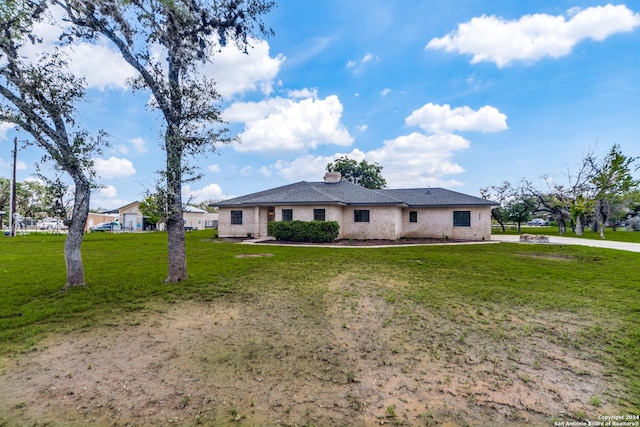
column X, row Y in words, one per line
column 461, row 97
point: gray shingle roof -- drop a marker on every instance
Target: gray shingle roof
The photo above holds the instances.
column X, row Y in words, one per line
column 347, row 193
column 432, row 197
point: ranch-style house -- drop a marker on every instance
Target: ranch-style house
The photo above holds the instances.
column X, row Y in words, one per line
column 361, row 213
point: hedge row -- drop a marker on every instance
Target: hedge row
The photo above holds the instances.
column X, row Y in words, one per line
column 304, row 231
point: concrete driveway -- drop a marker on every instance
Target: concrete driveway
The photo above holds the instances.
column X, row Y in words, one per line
column 607, row 244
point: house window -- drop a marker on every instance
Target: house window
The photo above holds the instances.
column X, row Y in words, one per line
column 236, row 217
column 361, row 216
column 462, row 218
column 318, row 214
column 413, row 216
column 287, row 214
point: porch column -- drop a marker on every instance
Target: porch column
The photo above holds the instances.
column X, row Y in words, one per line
column 256, row 222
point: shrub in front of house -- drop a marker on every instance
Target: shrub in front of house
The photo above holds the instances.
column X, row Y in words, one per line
column 634, row 224
column 304, row 231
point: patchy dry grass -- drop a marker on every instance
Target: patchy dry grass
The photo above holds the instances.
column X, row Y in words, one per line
column 498, row 334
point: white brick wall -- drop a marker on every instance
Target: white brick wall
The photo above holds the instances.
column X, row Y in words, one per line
column 226, row 229
column 438, row 223
column 385, row 222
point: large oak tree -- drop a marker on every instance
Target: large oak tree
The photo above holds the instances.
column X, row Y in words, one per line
column 365, row 174
column 166, row 42
column 40, row 98
column 612, row 181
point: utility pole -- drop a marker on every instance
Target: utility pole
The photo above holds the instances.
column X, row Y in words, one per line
column 12, row 204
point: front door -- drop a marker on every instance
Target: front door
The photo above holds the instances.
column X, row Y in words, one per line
column 271, row 214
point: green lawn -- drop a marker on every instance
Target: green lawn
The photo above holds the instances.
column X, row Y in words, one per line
column 125, row 273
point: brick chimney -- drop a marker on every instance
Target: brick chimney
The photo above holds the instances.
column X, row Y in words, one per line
column 332, row 177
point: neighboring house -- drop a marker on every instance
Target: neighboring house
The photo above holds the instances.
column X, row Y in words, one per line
column 131, row 219
column 97, row 218
column 362, row 213
column 198, row 219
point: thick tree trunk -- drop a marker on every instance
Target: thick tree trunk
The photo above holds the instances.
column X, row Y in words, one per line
column 578, row 226
column 175, row 223
column 601, row 218
column 177, row 254
column 73, row 243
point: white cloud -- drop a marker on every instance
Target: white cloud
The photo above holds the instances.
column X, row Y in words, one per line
column 363, row 128
column 532, row 37
column 122, row 149
column 213, row 168
column 305, row 168
column 441, row 118
column 4, row 128
column 139, row 145
column 209, row 192
column 265, row 171
column 280, row 124
column 358, row 66
column 303, row 93
column 108, row 203
column 385, row 92
column 236, row 72
column 414, row 160
column 419, row 160
column 113, row 167
column 101, row 65
column 108, row 191
column 311, row 168
column 20, row 165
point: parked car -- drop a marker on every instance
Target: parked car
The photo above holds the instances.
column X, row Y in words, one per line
column 106, row 226
column 51, row 224
column 538, row 222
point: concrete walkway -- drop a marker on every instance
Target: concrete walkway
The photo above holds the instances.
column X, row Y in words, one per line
column 606, row 244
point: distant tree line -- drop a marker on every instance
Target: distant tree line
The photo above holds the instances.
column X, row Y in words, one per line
column 601, row 191
column 35, row 199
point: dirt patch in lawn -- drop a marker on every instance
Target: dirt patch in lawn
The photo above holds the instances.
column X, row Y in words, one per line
column 253, row 255
column 547, row 256
column 357, row 355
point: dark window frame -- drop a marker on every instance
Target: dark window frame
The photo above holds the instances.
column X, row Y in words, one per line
column 413, row 216
column 319, row 214
column 287, row 214
column 236, row 217
column 462, row 218
column 361, row 215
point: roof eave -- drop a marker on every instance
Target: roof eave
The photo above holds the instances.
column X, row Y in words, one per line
column 263, row 204
column 455, row 205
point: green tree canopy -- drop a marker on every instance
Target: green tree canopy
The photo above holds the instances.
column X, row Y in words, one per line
column 612, row 181
column 152, row 207
column 368, row 175
column 166, row 42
